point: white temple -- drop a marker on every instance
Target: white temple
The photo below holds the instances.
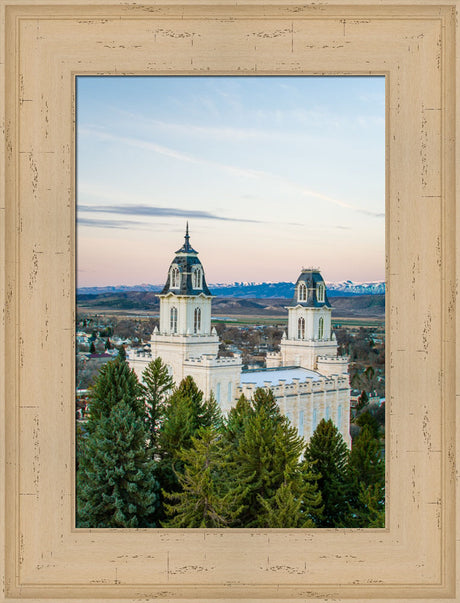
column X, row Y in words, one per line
column 309, row 380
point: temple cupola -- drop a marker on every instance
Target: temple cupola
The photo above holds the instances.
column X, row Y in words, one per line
column 309, row 313
column 310, row 290
column 310, row 336
column 186, row 274
column 185, row 301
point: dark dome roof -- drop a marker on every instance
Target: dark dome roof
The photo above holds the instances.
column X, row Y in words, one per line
column 186, row 261
column 311, row 277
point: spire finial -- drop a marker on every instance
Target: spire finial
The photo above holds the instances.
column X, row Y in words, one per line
column 186, row 246
column 187, row 237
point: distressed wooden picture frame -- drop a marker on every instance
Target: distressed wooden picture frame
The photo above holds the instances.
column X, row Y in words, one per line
column 46, row 45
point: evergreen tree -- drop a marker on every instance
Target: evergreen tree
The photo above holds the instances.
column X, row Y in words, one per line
column 366, row 419
column 312, row 500
column 367, row 481
column 185, row 412
column 370, row 512
column 121, row 353
column 264, row 400
column 92, row 348
column 366, row 463
column 157, row 383
column 328, row 455
column 116, row 485
column 208, row 497
column 283, row 510
column 204, row 412
column 236, row 419
column 115, row 382
column 266, row 454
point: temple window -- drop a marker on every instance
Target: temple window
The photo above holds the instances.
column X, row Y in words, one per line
column 320, row 293
column 321, row 328
column 175, row 277
column 197, row 279
column 301, row 328
column 302, row 292
column 197, row 320
column 173, row 320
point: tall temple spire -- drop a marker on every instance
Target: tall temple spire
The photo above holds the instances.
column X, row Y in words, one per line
column 186, row 247
column 187, row 236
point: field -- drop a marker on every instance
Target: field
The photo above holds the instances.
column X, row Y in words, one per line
column 353, row 311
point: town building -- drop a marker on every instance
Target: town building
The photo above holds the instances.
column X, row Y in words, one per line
column 309, row 380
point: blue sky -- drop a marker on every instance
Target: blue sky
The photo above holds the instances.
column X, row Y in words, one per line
column 272, row 173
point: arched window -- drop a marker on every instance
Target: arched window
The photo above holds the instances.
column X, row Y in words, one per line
column 321, row 328
column 328, row 413
column 320, row 293
column 301, row 418
column 218, row 393
column 302, row 292
column 315, row 419
column 339, row 417
column 197, row 320
column 173, row 320
column 197, row 279
column 301, row 328
column 229, row 392
column 175, row 276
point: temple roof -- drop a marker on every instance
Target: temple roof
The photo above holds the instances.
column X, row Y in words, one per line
column 311, row 277
column 186, row 261
column 259, row 377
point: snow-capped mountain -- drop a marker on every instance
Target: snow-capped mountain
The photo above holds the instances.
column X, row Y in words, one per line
column 355, row 288
column 282, row 289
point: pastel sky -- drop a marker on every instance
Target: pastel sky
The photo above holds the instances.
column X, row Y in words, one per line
column 272, row 173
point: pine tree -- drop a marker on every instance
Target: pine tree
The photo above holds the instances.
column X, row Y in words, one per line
column 204, row 412
column 264, row 400
column 115, row 382
column 116, row 485
column 283, row 510
column 236, row 419
column 157, row 383
column 328, row 455
column 92, row 348
column 266, row 454
column 370, row 512
column 312, row 500
column 367, row 480
column 208, row 497
column 185, row 412
column 366, row 419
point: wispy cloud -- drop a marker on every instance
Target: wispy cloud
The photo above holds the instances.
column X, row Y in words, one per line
column 100, row 223
column 222, row 133
column 151, row 211
column 172, row 153
column 245, row 172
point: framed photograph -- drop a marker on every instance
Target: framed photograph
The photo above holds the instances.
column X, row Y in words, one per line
column 47, row 48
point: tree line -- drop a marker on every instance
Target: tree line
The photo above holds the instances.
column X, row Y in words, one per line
column 152, row 454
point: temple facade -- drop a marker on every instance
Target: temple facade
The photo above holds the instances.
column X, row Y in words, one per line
column 309, row 380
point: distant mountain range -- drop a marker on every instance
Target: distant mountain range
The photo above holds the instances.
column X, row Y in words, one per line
column 255, row 290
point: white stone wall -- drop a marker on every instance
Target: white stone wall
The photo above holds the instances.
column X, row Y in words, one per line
column 304, row 353
column 306, row 403
column 327, row 365
column 185, row 313
column 174, row 350
column 273, row 359
column 311, row 316
column 221, row 376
